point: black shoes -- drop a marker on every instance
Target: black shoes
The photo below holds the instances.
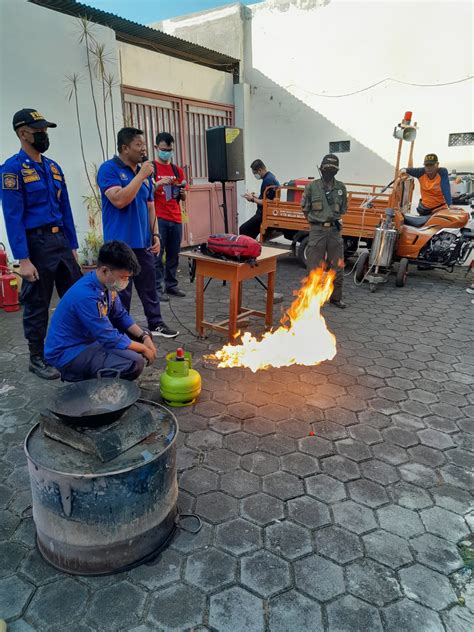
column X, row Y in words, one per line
column 42, row 369
column 164, row 331
column 339, row 304
column 174, row 291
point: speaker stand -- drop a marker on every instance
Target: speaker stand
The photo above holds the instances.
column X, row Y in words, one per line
column 224, row 207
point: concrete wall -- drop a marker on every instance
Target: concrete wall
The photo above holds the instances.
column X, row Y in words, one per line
column 299, row 53
column 148, row 70
column 33, row 73
column 223, row 30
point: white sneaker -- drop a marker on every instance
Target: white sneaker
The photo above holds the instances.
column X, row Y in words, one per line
column 164, row 331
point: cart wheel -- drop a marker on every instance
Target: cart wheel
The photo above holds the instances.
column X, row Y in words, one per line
column 303, row 251
column 372, row 287
column 361, row 267
column 402, row 273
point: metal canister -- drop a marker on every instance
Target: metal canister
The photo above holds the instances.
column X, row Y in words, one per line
column 95, row 518
column 383, row 246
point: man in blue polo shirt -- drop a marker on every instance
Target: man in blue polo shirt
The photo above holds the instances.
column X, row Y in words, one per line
column 128, row 214
column 91, row 331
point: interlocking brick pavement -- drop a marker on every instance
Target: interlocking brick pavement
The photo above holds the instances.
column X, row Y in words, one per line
column 353, row 528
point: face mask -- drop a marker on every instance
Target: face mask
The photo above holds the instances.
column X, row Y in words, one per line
column 257, row 176
column 40, row 142
column 329, row 172
column 165, row 155
column 118, row 286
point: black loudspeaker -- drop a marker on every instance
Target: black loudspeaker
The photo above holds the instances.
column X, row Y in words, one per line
column 225, row 154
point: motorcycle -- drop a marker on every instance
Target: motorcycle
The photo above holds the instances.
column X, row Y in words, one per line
column 440, row 240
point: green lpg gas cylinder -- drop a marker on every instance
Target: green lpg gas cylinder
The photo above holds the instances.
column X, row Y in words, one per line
column 179, row 384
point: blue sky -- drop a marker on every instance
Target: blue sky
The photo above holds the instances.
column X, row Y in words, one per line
column 147, row 11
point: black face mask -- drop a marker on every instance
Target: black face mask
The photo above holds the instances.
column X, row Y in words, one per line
column 328, row 173
column 40, row 142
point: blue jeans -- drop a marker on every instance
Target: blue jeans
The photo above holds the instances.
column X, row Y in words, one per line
column 171, row 234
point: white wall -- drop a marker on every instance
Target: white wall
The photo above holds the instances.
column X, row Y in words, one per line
column 38, row 47
column 149, row 70
column 223, row 28
column 345, row 46
column 296, row 49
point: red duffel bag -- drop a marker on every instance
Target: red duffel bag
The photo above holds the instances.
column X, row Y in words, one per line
column 240, row 247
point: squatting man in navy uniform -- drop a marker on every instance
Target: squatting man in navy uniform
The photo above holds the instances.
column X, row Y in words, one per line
column 40, row 229
column 90, row 330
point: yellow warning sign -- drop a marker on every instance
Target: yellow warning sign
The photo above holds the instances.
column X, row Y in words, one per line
column 231, row 134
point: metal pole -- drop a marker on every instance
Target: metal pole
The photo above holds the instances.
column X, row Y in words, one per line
column 224, row 207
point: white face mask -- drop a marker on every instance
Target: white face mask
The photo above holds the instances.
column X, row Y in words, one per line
column 118, row 286
column 257, row 176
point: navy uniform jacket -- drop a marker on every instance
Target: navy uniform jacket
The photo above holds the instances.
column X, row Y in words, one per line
column 34, row 194
column 87, row 313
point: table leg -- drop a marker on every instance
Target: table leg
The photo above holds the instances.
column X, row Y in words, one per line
column 199, row 304
column 239, row 302
column 233, row 308
column 270, row 293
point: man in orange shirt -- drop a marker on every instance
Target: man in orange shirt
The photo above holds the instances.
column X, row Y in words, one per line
column 434, row 185
column 171, row 190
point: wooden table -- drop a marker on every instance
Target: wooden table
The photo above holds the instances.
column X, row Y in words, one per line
column 234, row 273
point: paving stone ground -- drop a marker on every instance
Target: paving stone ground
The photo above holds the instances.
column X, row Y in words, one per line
column 354, row 528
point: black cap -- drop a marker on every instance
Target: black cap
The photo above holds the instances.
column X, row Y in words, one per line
column 32, row 118
column 430, row 159
column 330, row 160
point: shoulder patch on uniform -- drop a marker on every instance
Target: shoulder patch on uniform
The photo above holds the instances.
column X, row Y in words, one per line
column 53, row 168
column 10, row 181
column 57, row 177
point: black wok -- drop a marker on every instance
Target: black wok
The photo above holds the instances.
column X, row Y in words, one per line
column 95, row 402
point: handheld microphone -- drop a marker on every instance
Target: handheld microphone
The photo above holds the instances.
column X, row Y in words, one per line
column 153, row 176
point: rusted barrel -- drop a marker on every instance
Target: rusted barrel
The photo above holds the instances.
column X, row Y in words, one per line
column 95, row 518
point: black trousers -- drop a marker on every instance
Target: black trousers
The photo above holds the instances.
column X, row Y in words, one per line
column 96, row 357
column 52, row 256
column 251, row 227
column 145, row 284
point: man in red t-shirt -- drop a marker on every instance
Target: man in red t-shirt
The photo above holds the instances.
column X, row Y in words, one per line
column 170, row 191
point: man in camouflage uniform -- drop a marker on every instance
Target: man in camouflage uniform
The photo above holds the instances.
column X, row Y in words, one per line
column 323, row 203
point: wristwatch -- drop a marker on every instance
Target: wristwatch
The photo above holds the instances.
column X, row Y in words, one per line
column 145, row 334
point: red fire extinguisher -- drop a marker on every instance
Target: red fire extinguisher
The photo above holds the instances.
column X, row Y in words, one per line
column 8, row 290
column 3, row 256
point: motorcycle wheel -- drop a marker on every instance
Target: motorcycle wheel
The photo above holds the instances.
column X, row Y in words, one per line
column 361, row 267
column 303, row 251
column 402, row 273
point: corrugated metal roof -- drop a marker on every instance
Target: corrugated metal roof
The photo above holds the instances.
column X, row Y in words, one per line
column 144, row 36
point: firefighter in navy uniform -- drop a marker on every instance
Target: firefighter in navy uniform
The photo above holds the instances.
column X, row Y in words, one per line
column 91, row 331
column 40, row 230
column 324, row 202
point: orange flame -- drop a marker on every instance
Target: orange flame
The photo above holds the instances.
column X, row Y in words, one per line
column 302, row 337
